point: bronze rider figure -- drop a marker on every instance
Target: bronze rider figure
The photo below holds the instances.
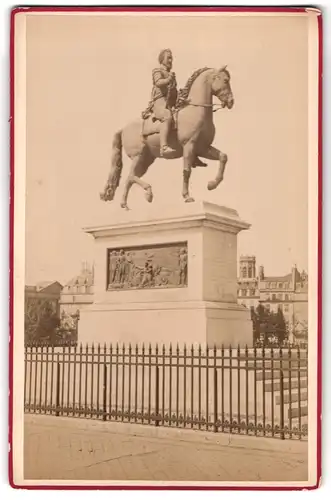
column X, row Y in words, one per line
column 163, row 99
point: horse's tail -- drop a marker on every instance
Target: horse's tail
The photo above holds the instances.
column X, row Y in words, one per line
column 115, row 170
column 116, row 160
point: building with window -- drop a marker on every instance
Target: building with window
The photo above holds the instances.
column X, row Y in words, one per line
column 78, row 292
column 288, row 293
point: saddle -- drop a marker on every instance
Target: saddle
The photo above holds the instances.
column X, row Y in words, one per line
column 151, row 125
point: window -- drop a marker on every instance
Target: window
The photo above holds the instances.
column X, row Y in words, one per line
column 280, row 307
column 279, row 296
column 245, row 272
column 273, row 297
column 250, row 272
column 287, row 297
column 280, row 285
column 244, row 293
column 286, row 307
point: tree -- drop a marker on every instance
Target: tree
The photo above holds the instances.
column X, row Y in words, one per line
column 268, row 327
column 47, row 325
column 41, row 321
column 280, row 327
column 299, row 331
column 260, row 321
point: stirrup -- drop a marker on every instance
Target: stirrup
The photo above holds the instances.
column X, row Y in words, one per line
column 165, row 150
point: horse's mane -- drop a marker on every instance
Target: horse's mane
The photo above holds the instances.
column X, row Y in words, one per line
column 184, row 92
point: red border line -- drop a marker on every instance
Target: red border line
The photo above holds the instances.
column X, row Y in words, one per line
column 147, row 8
column 320, row 250
column 46, row 9
column 11, row 252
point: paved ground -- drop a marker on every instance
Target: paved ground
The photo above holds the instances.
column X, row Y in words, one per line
column 71, row 449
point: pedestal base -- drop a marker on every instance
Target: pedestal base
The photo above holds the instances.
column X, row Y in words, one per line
column 170, row 277
column 164, row 323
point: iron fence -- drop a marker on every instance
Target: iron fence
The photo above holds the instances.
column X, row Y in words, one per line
column 261, row 392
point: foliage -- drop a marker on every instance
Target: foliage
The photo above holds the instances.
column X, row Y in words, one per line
column 269, row 328
column 42, row 324
column 299, row 332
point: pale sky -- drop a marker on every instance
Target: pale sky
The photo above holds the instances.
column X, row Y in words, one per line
column 88, row 76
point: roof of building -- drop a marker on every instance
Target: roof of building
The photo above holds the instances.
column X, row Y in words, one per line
column 287, row 277
column 83, row 278
column 42, row 285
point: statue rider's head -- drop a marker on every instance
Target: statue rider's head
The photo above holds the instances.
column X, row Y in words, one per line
column 165, row 58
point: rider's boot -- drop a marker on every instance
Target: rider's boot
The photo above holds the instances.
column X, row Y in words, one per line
column 164, row 132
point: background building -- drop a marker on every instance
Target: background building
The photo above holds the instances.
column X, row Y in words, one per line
column 288, row 293
column 78, row 292
column 36, row 296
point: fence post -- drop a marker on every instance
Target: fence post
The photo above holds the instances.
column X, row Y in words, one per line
column 104, row 418
column 215, row 400
column 157, row 396
column 281, row 396
column 57, row 408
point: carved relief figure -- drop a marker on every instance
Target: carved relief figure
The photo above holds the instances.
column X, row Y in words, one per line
column 129, row 267
column 183, row 266
column 121, row 267
column 148, row 273
column 112, row 266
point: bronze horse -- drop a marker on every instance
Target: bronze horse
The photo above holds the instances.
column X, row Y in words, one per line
column 192, row 137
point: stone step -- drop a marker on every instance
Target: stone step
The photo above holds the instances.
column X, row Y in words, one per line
column 294, row 412
column 294, row 397
column 267, row 375
column 267, row 354
column 286, row 384
column 267, row 364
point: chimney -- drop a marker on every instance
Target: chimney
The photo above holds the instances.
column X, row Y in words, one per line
column 261, row 272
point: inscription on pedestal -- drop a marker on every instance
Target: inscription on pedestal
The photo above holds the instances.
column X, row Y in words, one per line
column 152, row 266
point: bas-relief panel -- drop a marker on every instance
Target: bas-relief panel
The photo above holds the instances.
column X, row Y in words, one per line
column 153, row 266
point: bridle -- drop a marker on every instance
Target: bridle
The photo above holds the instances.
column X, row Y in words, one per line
column 216, row 106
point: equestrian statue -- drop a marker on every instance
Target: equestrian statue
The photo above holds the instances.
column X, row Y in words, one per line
column 174, row 125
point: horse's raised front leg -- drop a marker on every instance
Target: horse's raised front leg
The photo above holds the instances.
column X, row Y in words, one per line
column 189, row 158
column 215, row 154
column 138, row 168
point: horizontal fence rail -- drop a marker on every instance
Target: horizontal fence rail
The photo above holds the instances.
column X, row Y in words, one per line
column 261, row 392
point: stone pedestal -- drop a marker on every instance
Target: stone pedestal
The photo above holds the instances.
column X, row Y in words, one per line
column 198, row 308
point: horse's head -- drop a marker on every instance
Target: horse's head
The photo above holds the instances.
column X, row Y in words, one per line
column 221, row 87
